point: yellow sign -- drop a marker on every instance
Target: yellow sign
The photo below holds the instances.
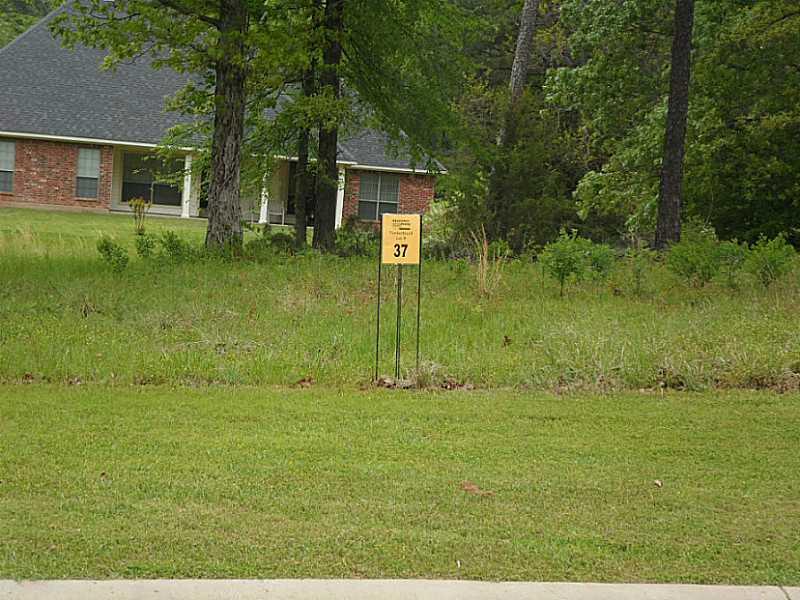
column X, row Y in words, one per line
column 400, row 238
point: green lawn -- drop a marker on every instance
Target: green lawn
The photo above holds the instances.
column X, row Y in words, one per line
column 240, row 482
column 65, row 316
column 151, row 425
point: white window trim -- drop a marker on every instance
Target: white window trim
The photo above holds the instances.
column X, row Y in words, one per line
column 78, row 176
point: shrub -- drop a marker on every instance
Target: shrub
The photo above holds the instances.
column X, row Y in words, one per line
column 113, row 254
column 695, row 258
column 732, row 256
column 601, row 259
column 640, row 258
column 145, row 245
column 574, row 257
column 139, row 206
column 441, row 239
column 258, row 249
column 282, row 242
column 176, row 248
column 270, row 244
column 356, row 239
column 769, row 260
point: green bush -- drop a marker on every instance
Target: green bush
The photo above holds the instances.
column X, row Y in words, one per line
column 602, row 259
column 176, row 248
column 499, row 249
column 282, row 242
column 696, row 257
column 258, row 249
column 573, row 257
column 270, row 244
column 641, row 260
column 356, row 239
column 769, row 260
column 145, row 245
column 732, row 256
column 113, row 254
column 441, row 238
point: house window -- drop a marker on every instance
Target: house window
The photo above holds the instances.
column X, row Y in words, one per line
column 7, row 159
column 379, row 194
column 88, row 172
column 140, row 179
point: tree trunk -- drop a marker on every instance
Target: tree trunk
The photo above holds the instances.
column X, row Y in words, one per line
column 303, row 182
column 224, row 204
column 668, row 226
column 327, row 170
column 498, row 203
column 520, row 67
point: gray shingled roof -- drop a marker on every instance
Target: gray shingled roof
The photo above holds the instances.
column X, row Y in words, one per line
column 50, row 90
column 47, row 89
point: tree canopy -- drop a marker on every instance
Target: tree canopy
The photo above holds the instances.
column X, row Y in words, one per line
column 589, row 112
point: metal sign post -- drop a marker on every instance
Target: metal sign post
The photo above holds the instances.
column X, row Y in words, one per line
column 401, row 244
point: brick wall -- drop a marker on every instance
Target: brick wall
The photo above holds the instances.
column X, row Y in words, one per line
column 416, row 193
column 46, row 173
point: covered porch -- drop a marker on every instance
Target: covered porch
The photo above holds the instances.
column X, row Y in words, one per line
column 137, row 173
column 276, row 203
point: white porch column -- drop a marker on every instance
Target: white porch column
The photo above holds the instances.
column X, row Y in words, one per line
column 188, row 188
column 340, row 198
column 263, row 217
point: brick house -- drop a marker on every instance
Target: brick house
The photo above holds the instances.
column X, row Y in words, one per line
column 74, row 135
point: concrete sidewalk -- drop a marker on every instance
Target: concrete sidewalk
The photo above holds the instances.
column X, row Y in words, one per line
column 374, row 590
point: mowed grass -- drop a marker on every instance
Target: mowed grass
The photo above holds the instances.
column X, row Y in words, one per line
column 160, row 432
column 66, row 317
column 99, row 482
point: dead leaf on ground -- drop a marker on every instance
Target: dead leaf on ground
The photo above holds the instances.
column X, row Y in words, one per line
column 474, row 489
column 658, row 483
column 394, row 384
column 453, row 384
column 306, row 382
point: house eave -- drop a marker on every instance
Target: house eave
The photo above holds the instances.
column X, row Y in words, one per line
column 82, row 140
column 361, row 167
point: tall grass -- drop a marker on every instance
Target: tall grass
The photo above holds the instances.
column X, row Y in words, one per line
column 65, row 317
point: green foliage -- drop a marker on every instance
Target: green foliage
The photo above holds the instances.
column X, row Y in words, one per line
column 573, row 257
column 113, row 254
column 732, row 256
column 258, row 249
column 442, row 237
column 769, row 260
column 175, row 248
column 319, row 309
column 145, row 245
column 356, row 239
column 18, row 15
column 742, row 148
column 282, row 242
column 640, row 261
column 269, row 245
column 602, row 259
column 696, row 257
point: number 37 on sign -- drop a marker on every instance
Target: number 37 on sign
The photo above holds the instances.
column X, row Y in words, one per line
column 400, row 239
